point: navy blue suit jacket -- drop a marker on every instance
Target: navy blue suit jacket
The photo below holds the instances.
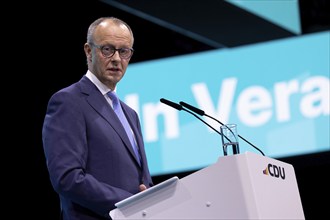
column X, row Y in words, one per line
column 89, row 157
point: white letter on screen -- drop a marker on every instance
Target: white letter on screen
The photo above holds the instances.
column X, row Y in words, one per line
column 254, row 106
column 171, row 121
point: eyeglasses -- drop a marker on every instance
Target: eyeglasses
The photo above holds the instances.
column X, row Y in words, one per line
column 109, row 50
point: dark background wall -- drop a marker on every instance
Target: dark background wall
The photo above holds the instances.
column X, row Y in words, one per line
column 46, row 54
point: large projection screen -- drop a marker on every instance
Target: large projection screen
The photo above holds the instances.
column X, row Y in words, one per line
column 277, row 93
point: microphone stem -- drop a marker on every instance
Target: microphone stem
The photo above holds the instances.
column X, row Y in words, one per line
column 206, row 123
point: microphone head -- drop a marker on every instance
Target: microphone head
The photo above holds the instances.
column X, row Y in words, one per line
column 192, row 108
column 172, row 104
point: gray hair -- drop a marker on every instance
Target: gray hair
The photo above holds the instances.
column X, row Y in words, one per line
column 93, row 25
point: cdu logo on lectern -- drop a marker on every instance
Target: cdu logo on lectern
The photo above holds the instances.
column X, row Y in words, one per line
column 274, row 171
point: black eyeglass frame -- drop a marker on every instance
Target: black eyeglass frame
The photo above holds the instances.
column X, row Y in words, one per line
column 101, row 47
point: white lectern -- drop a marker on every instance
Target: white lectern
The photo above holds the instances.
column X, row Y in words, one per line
column 241, row 186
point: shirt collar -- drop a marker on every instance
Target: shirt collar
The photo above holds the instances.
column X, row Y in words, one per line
column 101, row 86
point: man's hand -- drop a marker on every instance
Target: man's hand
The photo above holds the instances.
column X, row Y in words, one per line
column 142, row 187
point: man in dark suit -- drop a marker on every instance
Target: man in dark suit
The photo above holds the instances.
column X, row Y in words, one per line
column 90, row 156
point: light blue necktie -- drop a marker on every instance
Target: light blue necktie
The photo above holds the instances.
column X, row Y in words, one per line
column 119, row 111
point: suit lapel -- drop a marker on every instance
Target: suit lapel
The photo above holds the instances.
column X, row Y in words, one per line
column 98, row 102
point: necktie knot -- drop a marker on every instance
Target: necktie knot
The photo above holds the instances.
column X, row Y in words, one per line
column 114, row 99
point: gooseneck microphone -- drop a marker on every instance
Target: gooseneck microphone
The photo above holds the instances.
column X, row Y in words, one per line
column 179, row 107
column 202, row 113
